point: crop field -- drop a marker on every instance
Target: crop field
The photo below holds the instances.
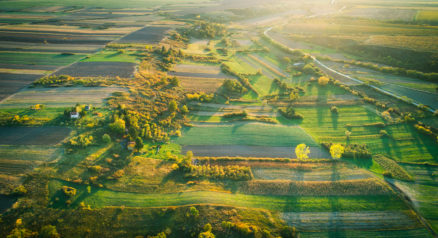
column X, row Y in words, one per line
column 199, row 77
column 147, row 35
column 33, row 135
column 60, row 97
column 11, row 83
column 99, row 69
column 427, row 16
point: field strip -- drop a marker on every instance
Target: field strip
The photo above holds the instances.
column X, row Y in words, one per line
column 24, row 71
column 367, row 220
column 102, row 198
column 329, row 173
column 268, row 65
column 256, row 65
column 59, row 97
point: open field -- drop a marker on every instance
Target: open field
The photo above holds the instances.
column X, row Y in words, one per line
column 60, row 97
column 147, row 35
column 112, row 56
column 32, row 135
column 55, row 59
column 242, row 133
column 99, row 69
column 11, row 83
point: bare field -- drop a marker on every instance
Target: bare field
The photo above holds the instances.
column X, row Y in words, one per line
column 99, row 69
column 147, row 35
column 59, row 97
column 207, row 85
column 11, row 83
column 32, row 135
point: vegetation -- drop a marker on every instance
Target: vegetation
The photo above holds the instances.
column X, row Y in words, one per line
column 392, row 169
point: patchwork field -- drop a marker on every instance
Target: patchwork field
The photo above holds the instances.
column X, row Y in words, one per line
column 60, row 97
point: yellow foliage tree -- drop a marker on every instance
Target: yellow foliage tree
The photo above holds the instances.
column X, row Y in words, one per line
column 323, row 80
column 336, row 150
column 302, row 151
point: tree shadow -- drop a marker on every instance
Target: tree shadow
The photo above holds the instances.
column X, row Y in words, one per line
column 335, row 117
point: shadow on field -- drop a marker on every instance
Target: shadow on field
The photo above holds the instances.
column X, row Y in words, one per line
column 334, row 223
column 321, row 99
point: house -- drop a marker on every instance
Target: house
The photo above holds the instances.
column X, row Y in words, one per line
column 130, row 145
column 74, row 115
column 87, row 108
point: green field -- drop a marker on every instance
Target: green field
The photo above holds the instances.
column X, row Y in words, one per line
column 100, row 198
column 244, row 134
column 112, row 56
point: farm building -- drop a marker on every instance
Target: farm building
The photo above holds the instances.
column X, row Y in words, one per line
column 130, row 145
column 74, row 115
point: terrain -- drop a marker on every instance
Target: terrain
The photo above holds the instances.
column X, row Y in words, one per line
column 218, row 118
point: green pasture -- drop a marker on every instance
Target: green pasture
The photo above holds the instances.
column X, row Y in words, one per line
column 99, row 198
column 39, row 116
column 243, row 133
column 38, row 58
column 112, row 56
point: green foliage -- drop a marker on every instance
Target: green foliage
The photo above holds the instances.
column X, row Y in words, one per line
column 173, row 106
column 106, row 138
column 49, row 231
column 205, row 29
column 290, row 113
column 81, row 141
column 68, row 191
column 201, row 97
column 392, row 169
column 118, row 126
column 19, row 232
column 236, row 114
column 19, row 190
column 233, row 86
column 352, row 150
column 234, row 172
column 139, row 143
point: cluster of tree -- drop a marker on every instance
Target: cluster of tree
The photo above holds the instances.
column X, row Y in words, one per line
column 20, row 231
column 66, row 80
column 236, row 114
column 203, row 58
column 201, row 97
column 311, row 69
column 234, row 172
column 242, row 78
column 302, row 151
column 248, row 230
column 206, row 29
column 356, row 151
column 169, row 56
column 290, row 113
column 293, row 93
column 80, row 141
column 427, row 130
column 233, row 87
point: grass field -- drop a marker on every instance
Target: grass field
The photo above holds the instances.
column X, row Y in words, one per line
column 244, row 134
column 112, row 56
column 101, row 198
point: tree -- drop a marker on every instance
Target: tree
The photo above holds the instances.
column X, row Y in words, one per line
column 118, row 126
column 193, row 212
column 49, row 231
column 139, row 143
column 323, row 80
column 302, row 151
column 184, row 109
column 348, row 134
column 173, row 106
column 207, row 232
column 336, row 151
column 106, row 139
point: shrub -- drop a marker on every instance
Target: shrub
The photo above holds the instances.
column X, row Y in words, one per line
column 334, row 109
column 302, row 151
column 106, row 139
column 49, row 231
column 68, row 191
column 20, row 190
column 235, row 172
column 118, row 126
column 323, row 81
column 290, row 113
column 383, row 133
column 236, row 114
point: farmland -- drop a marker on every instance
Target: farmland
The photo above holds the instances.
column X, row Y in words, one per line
column 218, row 118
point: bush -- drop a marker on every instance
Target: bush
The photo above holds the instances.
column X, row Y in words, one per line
column 20, row 190
column 49, row 231
column 334, row 109
column 106, row 139
column 290, row 113
column 323, row 81
column 68, row 191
